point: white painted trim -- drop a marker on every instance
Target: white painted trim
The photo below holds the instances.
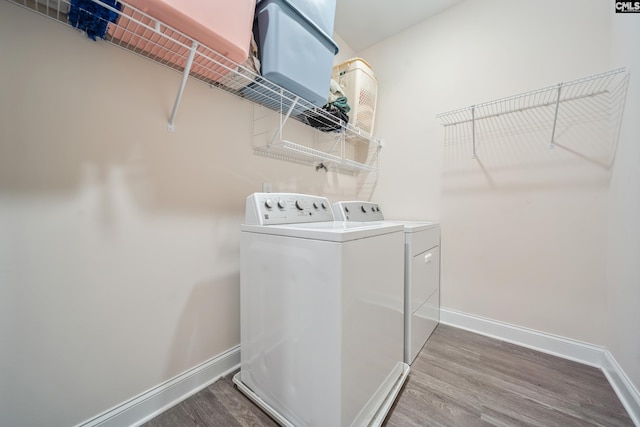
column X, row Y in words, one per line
column 622, row 385
column 566, row 348
column 149, row 404
column 237, row 380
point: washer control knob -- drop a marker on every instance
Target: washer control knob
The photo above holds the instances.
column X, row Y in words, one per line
column 281, row 204
column 373, row 208
column 268, row 203
column 316, row 205
column 346, row 209
column 324, row 205
column 363, row 209
column 299, row 205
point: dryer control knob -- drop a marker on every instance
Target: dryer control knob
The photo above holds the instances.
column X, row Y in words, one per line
column 281, row 204
column 373, row 208
column 346, row 209
column 316, row 205
column 324, row 205
column 299, row 205
column 363, row 209
column 268, row 203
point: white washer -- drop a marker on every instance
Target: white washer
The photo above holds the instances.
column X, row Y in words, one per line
column 422, row 271
column 321, row 313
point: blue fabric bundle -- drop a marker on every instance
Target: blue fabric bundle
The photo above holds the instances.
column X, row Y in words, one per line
column 91, row 17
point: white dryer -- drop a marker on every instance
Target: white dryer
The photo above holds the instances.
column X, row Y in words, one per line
column 321, row 313
column 422, row 271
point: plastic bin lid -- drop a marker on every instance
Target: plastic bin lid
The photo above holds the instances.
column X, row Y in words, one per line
column 305, row 18
column 356, row 59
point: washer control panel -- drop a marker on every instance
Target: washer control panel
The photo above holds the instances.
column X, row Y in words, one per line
column 286, row 208
column 357, row 211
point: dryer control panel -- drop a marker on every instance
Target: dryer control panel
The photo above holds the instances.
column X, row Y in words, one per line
column 286, row 208
column 357, row 211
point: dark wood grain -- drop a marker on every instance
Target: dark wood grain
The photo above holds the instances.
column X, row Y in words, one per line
column 458, row 379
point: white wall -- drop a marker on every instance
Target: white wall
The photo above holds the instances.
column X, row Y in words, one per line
column 345, row 53
column 523, row 227
column 118, row 240
column 623, row 269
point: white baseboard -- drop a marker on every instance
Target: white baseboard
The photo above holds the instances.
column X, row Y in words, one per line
column 149, row 404
column 624, row 388
column 155, row 401
column 566, row 348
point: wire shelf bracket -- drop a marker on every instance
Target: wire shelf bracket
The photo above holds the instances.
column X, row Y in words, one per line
column 337, row 150
column 283, row 120
column 183, row 84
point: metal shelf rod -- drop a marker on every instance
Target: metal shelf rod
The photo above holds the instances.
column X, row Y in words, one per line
column 473, row 129
column 555, row 117
column 183, row 83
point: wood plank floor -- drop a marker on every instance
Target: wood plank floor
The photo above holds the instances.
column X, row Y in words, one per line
column 459, row 379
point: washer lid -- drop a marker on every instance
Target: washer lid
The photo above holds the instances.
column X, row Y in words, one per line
column 338, row 231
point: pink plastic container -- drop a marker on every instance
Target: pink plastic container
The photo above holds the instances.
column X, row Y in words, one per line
column 222, row 25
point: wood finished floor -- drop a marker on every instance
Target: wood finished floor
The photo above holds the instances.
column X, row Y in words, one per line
column 458, row 379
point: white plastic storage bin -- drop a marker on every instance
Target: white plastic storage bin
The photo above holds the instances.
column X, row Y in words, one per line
column 294, row 51
column 359, row 83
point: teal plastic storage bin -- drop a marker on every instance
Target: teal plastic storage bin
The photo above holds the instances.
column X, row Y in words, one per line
column 294, row 51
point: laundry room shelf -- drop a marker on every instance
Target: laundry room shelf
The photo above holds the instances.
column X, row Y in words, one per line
column 151, row 38
column 575, row 101
column 297, row 153
column 345, row 150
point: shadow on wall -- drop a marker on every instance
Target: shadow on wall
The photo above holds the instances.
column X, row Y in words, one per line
column 577, row 149
column 207, row 164
column 205, row 323
column 198, row 168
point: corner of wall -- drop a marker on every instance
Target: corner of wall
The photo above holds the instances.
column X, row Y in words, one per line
column 622, row 385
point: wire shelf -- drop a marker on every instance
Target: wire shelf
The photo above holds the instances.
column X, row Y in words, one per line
column 339, row 150
column 595, row 97
column 146, row 36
